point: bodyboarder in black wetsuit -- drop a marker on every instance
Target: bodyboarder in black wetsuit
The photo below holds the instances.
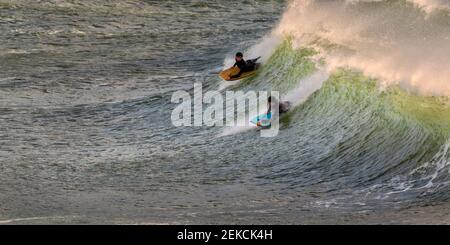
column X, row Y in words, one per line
column 242, row 65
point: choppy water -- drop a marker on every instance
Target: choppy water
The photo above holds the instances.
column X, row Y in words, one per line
column 86, row 135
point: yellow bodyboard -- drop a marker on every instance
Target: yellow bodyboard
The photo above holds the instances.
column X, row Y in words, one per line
column 225, row 75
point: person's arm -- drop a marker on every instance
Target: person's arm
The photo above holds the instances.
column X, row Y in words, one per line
column 241, row 66
column 238, row 75
column 235, row 64
column 270, row 109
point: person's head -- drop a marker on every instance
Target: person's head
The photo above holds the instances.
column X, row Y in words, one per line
column 239, row 56
column 272, row 99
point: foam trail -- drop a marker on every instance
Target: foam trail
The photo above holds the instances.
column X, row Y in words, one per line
column 236, row 130
column 225, row 84
column 306, row 87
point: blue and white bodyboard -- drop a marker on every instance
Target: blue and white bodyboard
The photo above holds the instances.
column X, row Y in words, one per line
column 264, row 120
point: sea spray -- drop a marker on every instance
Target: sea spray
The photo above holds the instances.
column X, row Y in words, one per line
column 391, row 40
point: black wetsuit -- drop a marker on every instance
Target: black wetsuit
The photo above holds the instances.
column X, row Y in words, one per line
column 243, row 67
column 284, row 107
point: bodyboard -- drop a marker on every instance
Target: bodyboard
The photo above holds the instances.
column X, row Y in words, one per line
column 264, row 119
column 226, row 74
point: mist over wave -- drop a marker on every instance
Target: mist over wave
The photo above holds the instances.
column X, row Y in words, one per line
column 394, row 41
column 432, row 5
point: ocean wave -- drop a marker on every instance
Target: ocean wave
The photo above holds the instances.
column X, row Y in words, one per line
column 365, row 133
